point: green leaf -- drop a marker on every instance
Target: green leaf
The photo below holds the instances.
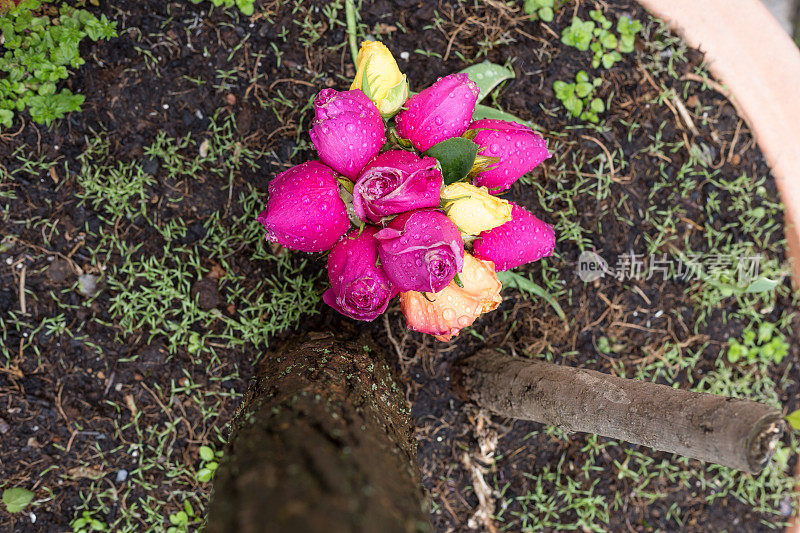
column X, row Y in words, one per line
column 522, row 283
column 578, row 34
column 6, row 117
column 581, row 77
column 762, row 284
column 627, row 26
column 456, row 157
column 736, row 351
column 206, row 453
column 583, row 89
column 597, row 105
column 563, row 90
column 245, row 6
column 609, row 40
column 204, row 475
column 16, row 499
column 626, row 44
column 574, row 105
column 530, row 6
column 610, row 58
column 596, row 14
column 546, row 14
column 487, row 76
column 794, row 419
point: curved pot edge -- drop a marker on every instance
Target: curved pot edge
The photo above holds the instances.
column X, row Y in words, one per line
column 748, row 51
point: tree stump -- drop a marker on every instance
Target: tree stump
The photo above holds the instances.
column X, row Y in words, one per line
column 323, row 441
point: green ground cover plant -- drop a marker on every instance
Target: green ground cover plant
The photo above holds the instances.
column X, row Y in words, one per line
column 245, row 6
column 41, row 45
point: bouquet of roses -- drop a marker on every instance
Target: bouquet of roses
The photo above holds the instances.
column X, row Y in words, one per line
column 404, row 197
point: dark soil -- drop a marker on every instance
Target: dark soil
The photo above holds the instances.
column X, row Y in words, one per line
column 60, row 398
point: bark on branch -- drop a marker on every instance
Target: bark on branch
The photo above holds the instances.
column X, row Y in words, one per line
column 737, row 433
column 322, row 443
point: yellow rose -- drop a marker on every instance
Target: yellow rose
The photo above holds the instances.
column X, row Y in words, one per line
column 473, row 209
column 379, row 78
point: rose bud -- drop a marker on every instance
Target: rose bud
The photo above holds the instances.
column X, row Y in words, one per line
column 304, row 211
column 518, row 147
column 394, row 182
column 473, row 209
column 379, row 78
column 421, row 251
column 347, row 130
column 441, row 111
column 359, row 288
column 450, row 310
column 523, row 240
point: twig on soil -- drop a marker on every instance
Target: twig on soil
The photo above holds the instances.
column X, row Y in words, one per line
column 735, row 139
column 487, row 443
column 608, row 154
column 684, row 113
column 23, row 308
column 691, row 76
column 454, row 35
column 350, row 12
column 58, row 404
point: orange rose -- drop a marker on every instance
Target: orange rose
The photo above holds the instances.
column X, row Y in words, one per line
column 448, row 311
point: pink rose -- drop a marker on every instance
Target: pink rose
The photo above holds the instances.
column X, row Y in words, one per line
column 359, row 288
column 421, row 251
column 441, row 111
column 347, row 131
column 304, row 211
column 523, row 240
column 519, row 148
column 394, row 182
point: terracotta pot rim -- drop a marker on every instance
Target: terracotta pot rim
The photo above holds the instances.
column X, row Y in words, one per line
column 759, row 64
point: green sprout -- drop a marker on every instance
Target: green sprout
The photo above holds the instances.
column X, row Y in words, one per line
column 578, row 34
column 182, row 519
column 541, row 8
column 88, row 523
column 596, row 35
column 245, row 6
column 578, row 98
column 764, row 345
column 39, row 50
column 209, row 462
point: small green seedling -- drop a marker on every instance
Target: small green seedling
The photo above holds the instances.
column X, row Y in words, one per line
column 88, row 523
column 596, row 35
column 765, row 346
column 541, row 8
column 16, row 499
column 182, row 519
column 39, row 50
column 578, row 98
column 578, row 34
column 209, row 461
column 245, row 6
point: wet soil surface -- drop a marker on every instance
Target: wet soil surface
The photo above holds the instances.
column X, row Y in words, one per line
column 69, row 404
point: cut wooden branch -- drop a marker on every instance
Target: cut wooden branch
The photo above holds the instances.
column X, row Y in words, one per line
column 322, row 442
column 737, row 433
